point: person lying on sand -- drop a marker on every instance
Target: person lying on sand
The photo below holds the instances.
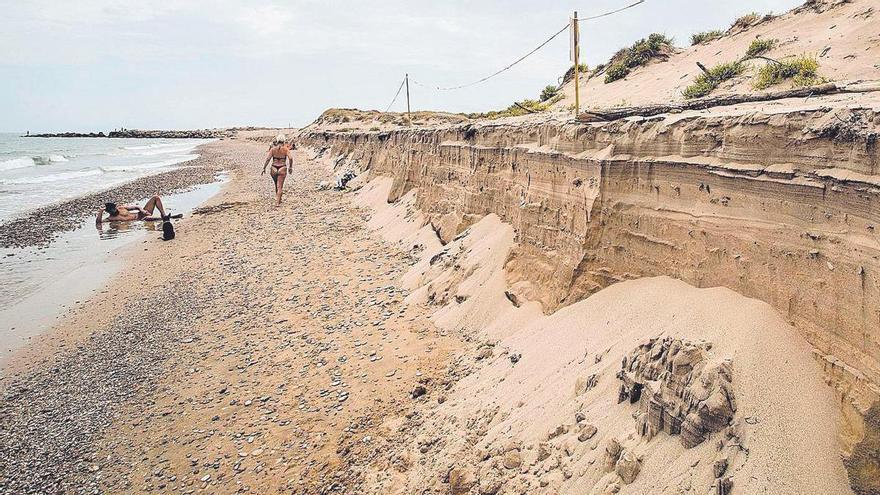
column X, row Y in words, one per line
column 130, row 213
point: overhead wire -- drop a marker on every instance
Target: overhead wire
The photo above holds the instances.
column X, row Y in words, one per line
column 542, row 45
column 508, row 67
column 396, row 95
column 605, row 14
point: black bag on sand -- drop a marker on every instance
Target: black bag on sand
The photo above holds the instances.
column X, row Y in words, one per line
column 167, row 228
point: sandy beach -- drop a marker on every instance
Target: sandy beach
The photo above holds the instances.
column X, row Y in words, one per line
column 657, row 274
column 241, row 356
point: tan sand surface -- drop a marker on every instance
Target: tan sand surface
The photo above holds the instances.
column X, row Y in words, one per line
column 310, row 355
column 787, row 419
column 842, row 35
column 293, row 344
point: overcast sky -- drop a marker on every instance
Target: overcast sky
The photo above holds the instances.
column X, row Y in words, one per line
column 101, row 64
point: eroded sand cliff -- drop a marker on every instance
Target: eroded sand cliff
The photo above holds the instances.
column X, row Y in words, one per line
column 776, row 201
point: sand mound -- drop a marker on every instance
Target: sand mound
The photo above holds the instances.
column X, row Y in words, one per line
column 536, row 407
column 842, row 36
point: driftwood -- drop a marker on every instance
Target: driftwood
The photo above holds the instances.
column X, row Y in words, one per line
column 524, row 108
column 608, row 114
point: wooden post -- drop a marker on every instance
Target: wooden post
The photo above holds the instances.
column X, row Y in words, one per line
column 577, row 60
column 408, row 114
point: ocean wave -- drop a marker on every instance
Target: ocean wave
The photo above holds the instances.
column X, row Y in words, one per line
column 150, row 146
column 48, row 159
column 16, row 163
column 54, row 177
column 28, row 161
column 148, row 166
column 165, row 151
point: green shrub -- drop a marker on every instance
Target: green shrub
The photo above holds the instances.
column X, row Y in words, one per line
column 569, row 74
column 760, row 47
column 549, row 92
column 640, row 53
column 515, row 110
column 745, row 21
column 705, row 36
column 706, row 83
column 615, row 72
column 374, row 128
column 803, row 71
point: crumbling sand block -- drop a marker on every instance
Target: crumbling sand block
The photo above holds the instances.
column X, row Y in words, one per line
column 628, row 466
column 680, row 389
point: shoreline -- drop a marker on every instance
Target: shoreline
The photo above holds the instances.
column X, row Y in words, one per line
column 41, row 226
column 141, row 134
column 228, row 330
column 43, row 283
column 46, row 343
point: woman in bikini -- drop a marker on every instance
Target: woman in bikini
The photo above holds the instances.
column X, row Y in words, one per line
column 130, row 213
column 282, row 164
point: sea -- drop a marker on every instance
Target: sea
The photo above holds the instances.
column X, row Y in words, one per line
column 40, row 284
column 36, row 172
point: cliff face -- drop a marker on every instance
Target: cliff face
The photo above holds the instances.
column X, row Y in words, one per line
column 783, row 207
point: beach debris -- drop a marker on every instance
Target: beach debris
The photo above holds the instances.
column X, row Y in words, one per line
column 461, row 480
column 512, row 459
column 343, row 180
column 582, row 384
column 587, row 432
column 418, row 391
column 612, row 454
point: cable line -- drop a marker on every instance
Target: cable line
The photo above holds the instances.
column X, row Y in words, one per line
column 490, row 76
column 604, row 14
column 396, row 95
column 542, row 45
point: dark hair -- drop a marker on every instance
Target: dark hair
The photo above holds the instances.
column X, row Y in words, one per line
column 111, row 208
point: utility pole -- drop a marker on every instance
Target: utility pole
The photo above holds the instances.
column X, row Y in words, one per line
column 408, row 114
column 576, row 52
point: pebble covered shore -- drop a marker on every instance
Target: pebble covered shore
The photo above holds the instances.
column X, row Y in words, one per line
column 259, row 352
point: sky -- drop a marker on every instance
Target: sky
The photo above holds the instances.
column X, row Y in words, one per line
column 96, row 65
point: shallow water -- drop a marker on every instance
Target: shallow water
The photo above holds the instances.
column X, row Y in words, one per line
column 36, row 172
column 38, row 283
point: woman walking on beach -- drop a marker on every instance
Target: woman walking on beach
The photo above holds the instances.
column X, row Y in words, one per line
column 282, row 163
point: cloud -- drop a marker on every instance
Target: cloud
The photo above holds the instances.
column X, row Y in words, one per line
column 194, row 62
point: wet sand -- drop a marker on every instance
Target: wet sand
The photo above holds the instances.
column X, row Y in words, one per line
column 40, row 282
column 253, row 353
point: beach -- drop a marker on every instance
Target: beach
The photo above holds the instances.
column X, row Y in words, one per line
column 240, row 355
column 336, row 345
column 657, row 274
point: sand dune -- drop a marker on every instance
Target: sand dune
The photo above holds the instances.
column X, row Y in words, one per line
column 842, row 36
